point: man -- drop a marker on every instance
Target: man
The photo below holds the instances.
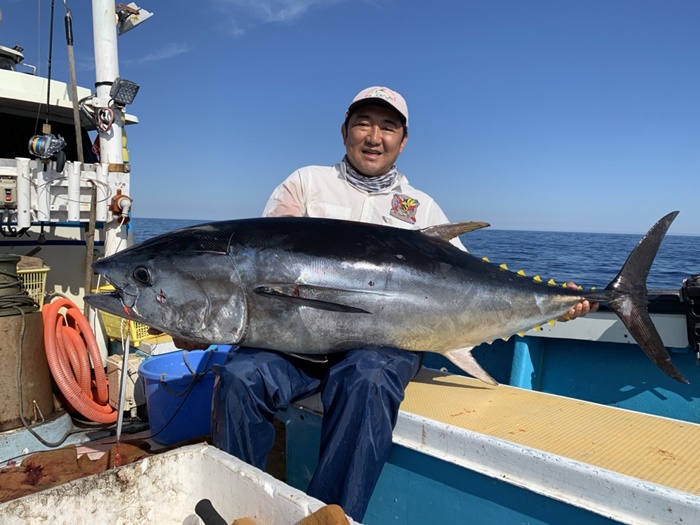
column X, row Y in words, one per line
column 361, row 390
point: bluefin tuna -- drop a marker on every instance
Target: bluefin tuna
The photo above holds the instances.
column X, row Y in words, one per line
column 312, row 287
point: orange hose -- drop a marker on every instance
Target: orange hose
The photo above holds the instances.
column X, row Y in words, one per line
column 74, row 346
column 59, row 344
column 79, row 322
column 72, row 353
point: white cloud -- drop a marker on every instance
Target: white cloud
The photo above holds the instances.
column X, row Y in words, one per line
column 169, row 51
column 243, row 15
column 86, row 62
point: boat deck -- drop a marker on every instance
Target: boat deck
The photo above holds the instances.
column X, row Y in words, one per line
column 649, row 448
column 513, row 455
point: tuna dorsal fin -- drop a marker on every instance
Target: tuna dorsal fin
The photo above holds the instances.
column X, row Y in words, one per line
column 449, row 231
column 464, row 359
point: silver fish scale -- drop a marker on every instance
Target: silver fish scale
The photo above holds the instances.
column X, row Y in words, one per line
column 213, row 241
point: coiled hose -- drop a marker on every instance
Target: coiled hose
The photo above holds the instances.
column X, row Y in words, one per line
column 69, row 340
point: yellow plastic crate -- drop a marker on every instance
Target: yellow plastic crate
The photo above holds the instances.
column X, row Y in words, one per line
column 34, row 282
column 115, row 326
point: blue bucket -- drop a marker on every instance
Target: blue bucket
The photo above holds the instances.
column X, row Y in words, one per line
column 179, row 388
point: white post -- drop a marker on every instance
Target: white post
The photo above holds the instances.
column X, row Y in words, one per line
column 104, row 28
column 24, row 196
column 102, row 191
column 73, row 170
column 42, row 181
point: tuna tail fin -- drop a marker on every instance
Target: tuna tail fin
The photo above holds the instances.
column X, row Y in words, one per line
column 628, row 297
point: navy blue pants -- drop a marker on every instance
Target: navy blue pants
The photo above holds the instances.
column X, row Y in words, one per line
column 361, row 391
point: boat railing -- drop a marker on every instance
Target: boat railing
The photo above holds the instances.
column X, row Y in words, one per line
column 32, row 69
column 34, row 192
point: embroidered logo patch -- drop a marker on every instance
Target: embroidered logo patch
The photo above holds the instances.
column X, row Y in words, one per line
column 381, row 93
column 404, row 208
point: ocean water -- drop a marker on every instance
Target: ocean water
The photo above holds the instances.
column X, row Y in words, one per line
column 588, row 259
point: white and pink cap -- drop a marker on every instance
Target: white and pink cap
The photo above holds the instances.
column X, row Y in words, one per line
column 380, row 95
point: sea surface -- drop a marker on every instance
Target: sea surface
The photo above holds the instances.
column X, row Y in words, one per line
column 588, row 259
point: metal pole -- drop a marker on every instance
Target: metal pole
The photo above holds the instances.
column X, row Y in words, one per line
column 73, row 82
column 104, row 29
column 90, row 229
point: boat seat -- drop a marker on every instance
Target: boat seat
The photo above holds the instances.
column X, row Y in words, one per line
column 650, row 448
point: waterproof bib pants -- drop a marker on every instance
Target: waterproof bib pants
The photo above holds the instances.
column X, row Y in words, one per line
column 361, row 391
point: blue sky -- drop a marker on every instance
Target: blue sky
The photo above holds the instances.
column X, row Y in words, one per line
column 563, row 115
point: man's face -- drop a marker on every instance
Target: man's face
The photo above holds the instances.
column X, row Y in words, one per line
column 374, row 139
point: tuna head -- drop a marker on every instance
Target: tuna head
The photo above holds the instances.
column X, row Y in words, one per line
column 183, row 283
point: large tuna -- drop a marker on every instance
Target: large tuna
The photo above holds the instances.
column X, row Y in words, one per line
column 318, row 286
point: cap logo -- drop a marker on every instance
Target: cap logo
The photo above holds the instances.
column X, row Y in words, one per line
column 381, row 93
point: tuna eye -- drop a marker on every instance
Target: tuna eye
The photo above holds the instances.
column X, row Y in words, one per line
column 142, row 275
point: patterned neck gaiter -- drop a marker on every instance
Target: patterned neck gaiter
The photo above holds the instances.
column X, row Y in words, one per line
column 369, row 184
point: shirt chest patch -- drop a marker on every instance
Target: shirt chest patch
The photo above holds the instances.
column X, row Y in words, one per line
column 404, row 208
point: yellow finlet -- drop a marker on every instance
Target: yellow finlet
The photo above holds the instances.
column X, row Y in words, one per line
column 552, row 322
column 503, row 266
column 521, row 273
column 537, row 279
column 485, row 259
column 551, row 282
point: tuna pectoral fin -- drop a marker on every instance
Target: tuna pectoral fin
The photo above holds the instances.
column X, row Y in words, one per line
column 312, row 358
column 464, row 359
column 322, row 299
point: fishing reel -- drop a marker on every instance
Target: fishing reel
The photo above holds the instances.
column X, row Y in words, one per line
column 49, row 147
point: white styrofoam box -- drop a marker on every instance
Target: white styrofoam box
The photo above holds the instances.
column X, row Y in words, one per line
column 162, row 490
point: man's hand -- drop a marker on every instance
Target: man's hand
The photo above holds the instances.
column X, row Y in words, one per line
column 581, row 309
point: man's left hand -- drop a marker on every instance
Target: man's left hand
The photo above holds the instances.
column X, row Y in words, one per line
column 581, row 309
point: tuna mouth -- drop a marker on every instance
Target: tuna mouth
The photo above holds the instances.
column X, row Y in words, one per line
column 127, row 294
column 112, row 302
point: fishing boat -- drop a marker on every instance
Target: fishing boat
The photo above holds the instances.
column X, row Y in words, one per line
column 582, row 427
column 65, row 202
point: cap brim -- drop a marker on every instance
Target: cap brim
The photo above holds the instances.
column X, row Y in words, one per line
column 377, row 102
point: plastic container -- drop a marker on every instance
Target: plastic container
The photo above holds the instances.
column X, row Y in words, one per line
column 165, row 489
column 117, row 327
column 34, row 281
column 179, row 388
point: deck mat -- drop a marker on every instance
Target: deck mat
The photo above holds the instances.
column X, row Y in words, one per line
column 659, row 450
